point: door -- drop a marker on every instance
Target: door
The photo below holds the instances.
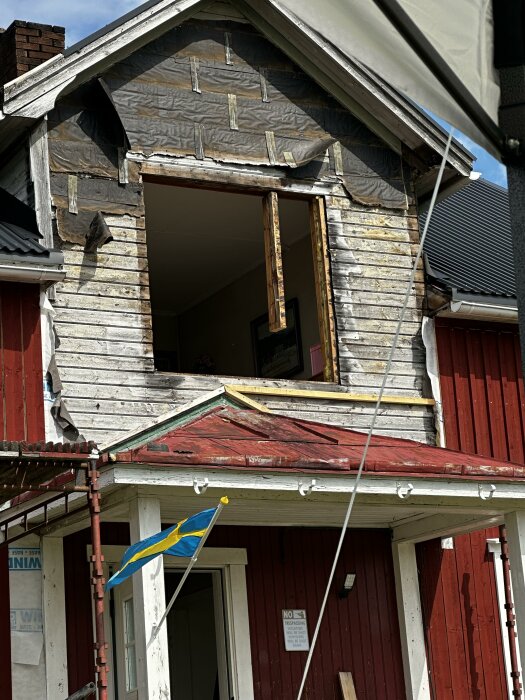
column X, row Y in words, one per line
column 125, row 647
column 196, row 638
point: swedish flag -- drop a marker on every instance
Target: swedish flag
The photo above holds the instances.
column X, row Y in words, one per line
column 180, row 540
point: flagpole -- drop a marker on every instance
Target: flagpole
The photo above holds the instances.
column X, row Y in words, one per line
column 194, row 558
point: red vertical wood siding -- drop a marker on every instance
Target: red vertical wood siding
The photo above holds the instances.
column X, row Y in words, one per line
column 482, row 387
column 460, row 612
column 287, row 568
column 484, row 413
column 21, row 380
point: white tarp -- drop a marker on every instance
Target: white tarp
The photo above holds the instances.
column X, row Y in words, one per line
column 460, row 30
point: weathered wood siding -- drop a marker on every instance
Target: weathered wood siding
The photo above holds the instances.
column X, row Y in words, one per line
column 287, row 568
column 103, row 310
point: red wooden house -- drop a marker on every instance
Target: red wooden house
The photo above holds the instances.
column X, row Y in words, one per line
column 236, row 203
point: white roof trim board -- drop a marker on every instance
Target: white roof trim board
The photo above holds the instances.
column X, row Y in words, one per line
column 385, row 111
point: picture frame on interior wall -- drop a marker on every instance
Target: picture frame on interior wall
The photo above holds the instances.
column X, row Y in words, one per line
column 278, row 355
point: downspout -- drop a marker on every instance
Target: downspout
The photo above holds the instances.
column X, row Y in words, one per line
column 97, row 580
column 428, row 332
column 511, row 620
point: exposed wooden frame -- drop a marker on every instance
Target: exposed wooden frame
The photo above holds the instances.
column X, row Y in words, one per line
column 330, row 395
column 244, row 182
column 323, row 289
column 347, row 685
column 39, row 167
column 250, row 179
column 274, row 263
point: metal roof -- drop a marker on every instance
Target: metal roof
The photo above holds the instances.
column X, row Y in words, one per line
column 19, row 234
column 469, row 243
column 228, row 437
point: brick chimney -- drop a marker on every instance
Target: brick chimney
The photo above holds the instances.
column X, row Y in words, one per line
column 24, row 45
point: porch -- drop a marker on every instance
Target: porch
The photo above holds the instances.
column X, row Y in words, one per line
column 288, row 482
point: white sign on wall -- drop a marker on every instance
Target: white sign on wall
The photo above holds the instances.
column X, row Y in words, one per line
column 295, row 630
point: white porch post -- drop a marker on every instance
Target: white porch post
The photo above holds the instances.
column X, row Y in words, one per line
column 410, row 621
column 148, row 605
column 515, row 525
column 54, row 617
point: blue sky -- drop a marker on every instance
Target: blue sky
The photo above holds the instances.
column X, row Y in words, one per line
column 81, row 18
column 490, row 168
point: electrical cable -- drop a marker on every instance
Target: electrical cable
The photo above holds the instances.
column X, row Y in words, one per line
column 375, row 414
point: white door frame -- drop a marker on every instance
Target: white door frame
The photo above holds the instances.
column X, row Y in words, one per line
column 122, row 594
column 232, row 562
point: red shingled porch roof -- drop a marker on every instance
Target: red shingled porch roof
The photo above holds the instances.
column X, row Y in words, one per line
column 235, row 438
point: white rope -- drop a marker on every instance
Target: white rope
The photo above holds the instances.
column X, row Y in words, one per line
column 374, row 417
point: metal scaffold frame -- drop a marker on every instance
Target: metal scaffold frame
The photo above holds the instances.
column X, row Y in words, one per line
column 27, row 472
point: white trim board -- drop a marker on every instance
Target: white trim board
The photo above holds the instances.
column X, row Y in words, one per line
column 432, row 489
column 210, row 557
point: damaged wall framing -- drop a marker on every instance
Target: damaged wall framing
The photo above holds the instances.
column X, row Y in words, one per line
column 214, row 102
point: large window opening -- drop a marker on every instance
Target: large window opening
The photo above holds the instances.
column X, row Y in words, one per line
column 236, row 286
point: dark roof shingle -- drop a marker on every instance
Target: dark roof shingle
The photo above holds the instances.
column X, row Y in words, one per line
column 469, row 242
column 19, row 234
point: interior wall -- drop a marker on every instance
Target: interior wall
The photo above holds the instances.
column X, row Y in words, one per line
column 229, row 313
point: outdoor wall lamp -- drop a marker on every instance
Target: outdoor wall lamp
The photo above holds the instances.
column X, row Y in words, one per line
column 348, row 584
